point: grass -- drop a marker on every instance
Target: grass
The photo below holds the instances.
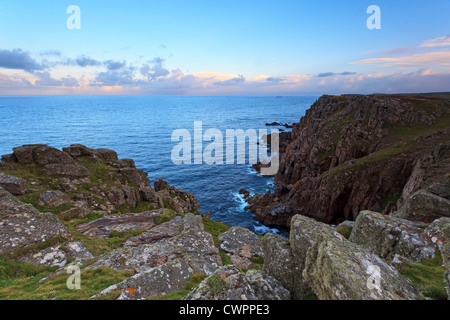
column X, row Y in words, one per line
column 216, row 284
column 193, row 282
column 92, row 282
column 166, row 216
column 428, row 277
column 215, row 228
column 345, row 231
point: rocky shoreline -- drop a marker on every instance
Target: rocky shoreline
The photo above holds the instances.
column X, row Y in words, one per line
column 87, row 208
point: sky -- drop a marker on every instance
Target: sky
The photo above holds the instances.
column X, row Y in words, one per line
column 209, row 47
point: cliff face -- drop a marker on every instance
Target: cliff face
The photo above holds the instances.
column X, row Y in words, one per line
column 353, row 153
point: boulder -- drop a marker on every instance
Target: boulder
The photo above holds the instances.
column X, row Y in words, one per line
column 116, row 196
column 77, row 251
column 303, row 236
column 386, row 237
column 52, row 198
column 41, row 154
column 136, row 176
column 195, row 246
column 337, row 269
column 52, row 257
column 106, row 155
column 241, row 245
column 102, row 228
column 425, row 207
column 14, row 185
column 266, row 287
column 148, row 194
column 227, row 283
column 21, row 225
column 66, row 170
column 167, row 278
column 279, row 263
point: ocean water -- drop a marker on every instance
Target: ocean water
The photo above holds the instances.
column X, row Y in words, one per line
column 140, row 127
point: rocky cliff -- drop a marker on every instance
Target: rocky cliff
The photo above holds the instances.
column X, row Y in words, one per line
column 354, row 153
column 85, row 208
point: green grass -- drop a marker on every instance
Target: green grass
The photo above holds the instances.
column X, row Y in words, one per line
column 215, row 228
column 193, row 282
column 166, row 216
column 92, row 282
column 216, row 284
column 428, row 277
column 345, row 231
column 10, row 271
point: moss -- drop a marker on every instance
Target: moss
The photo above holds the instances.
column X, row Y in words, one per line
column 345, row 231
column 428, row 277
column 193, row 282
column 215, row 228
column 92, row 282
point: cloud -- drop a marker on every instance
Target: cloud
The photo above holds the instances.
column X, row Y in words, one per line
column 436, row 42
column 231, row 82
column 329, row 74
column 45, row 80
column 421, row 60
column 18, row 59
column 52, row 53
column 114, row 65
column 84, row 61
column 156, row 70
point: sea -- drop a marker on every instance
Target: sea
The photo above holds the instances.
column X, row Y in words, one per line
column 141, row 128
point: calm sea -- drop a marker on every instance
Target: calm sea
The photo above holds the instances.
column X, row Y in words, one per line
column 140, row 127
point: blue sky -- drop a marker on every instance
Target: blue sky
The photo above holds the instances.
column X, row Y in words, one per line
column 223, row 47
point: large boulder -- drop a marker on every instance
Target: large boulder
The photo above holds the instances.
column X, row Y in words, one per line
column 102, row 227
column 337, row 269
column 136, row 176
column 241, row 245
column 14, row 185
column 266, row 287
column 424, row 206
column 21, row 225
column 279, row 263
column 303, row 236
column 386, row 237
